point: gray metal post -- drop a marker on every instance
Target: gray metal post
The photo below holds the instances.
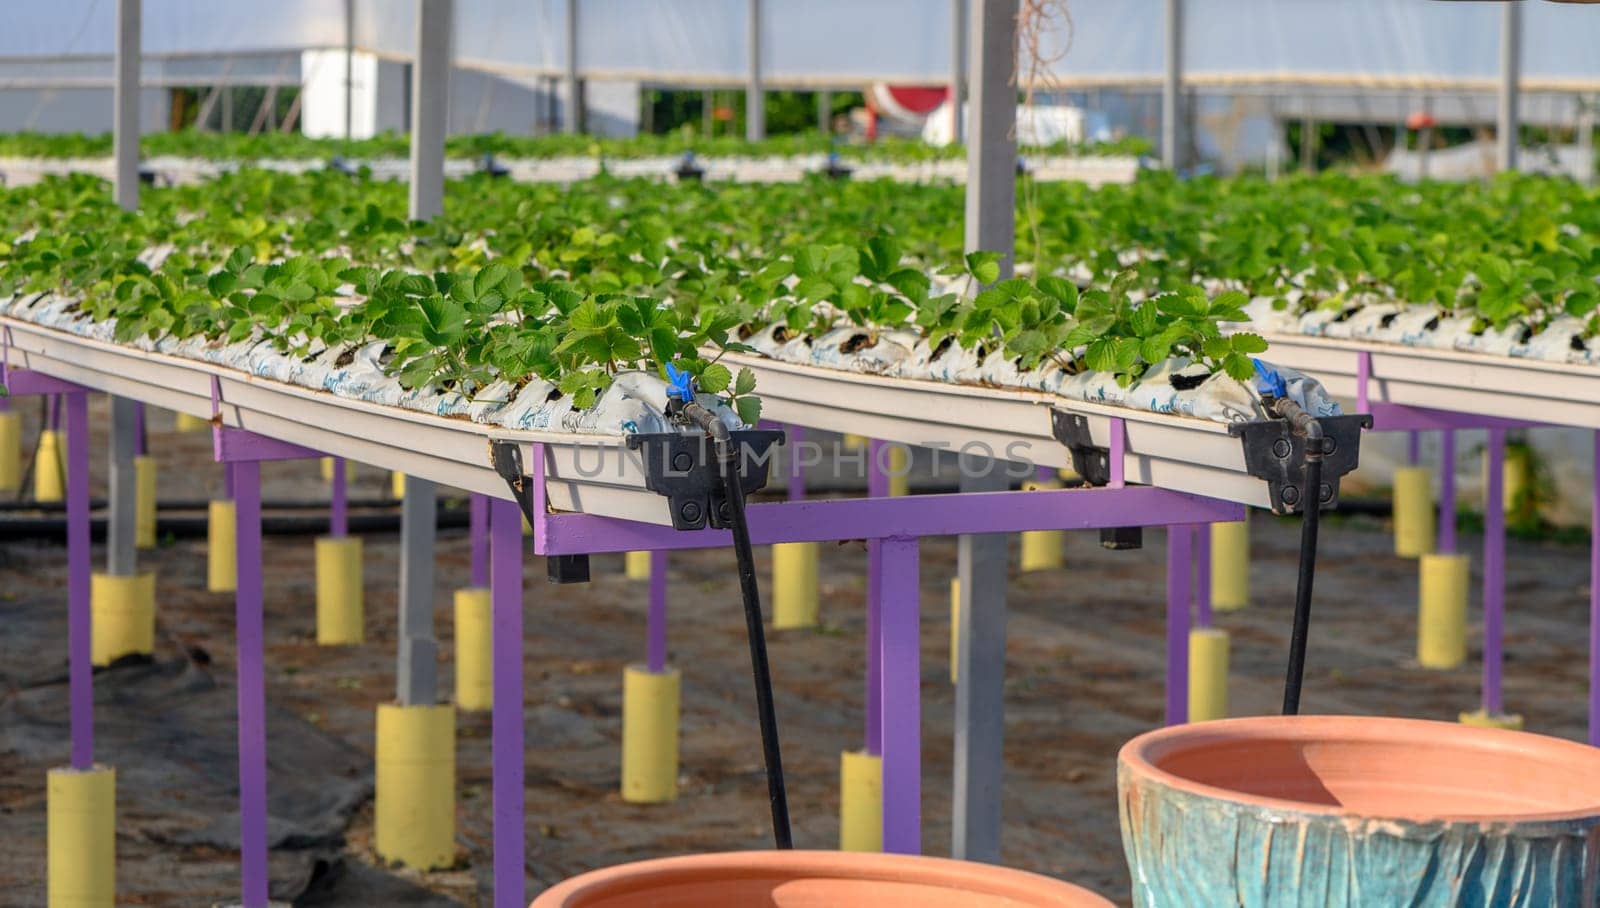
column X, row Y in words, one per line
column 122, row 488
column 349, row 67
column 981, row 648
column 755, row 99
column 825, row 111
column 125, row 104
column 430, row 111
column 958, row 63
column 1424, row 141
column 573, row 108
column 1509, row 122
column 416, row 675
column 1172, row 88
column 1308, row 145
column 1586, row 138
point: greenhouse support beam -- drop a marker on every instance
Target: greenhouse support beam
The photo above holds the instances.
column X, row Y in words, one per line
column 1509, row 121
column 978, row 767
column 1172, row 88
column 958, row 63
column 125, row 106
column 505, row 528
column 755, row 98
column 430, row 108
column 991, row 60
column 122, row 489
column 572, row 109
column 349, row 68
column 416, row 674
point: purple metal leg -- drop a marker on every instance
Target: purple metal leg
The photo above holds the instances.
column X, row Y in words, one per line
column 80, row 673
column 339, row 506
column 1413, row 447
column 1447, row 492
column 658, row 611
column 1494, row 568
column 1180, row 567
column 227, row 483
column 877, row 487
column 140, row 433
column 252, row 687
column 797, row 474
column 505, row 527
column 55, row 411
column 901, row 681
column 1594, row 601
column 1202, row 575
column 478, row 530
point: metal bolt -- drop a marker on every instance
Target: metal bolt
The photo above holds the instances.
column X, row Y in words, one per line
column 1326, row 492
column 1281, row 449
column 724, row 513
column 681, row 461
column 690, row 511
column 1290, row 495
column 1329, row 445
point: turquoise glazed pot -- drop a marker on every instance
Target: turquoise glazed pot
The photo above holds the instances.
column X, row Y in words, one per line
column 1315, row 811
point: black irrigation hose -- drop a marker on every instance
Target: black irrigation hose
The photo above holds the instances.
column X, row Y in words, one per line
column 1311, row 515
column 728, row 456
column 54, row 529
column 200, row 504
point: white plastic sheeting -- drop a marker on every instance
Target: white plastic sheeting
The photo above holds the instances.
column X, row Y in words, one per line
column 1366, row 43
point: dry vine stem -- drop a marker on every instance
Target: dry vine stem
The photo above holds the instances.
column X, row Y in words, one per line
column 1036, row 21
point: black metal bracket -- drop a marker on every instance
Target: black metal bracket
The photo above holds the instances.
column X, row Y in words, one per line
column 1094, row 465
column 837, row 171
column 507, row 459
column 684, row 468
column 1090, row 462
column 1274, row 453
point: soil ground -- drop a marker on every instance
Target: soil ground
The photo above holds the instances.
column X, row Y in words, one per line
column 1084, row 674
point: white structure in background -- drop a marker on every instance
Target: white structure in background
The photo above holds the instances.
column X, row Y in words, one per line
column 1037, row 125
column 479, row 101
column 1477, row 160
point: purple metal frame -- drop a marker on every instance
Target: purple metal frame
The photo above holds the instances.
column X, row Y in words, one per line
column 1393, row 417
column 241, row 453
column 506, row 721
column 339, row 502
column 1180, row 561
column 80, row 670
column 478, row 530
column 656, row 622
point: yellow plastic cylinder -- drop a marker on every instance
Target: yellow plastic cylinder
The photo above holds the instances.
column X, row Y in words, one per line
column 340, row 617
column 1413, row 512
column 124, row 616
column 49, row 485
column 81, row 841
column 1481, row 719
column 1230, row 564
column 414, row 807
column 144, row 501
column 1442, row 611
column 10, row 451
column 636, row 565
column 955, row 629
column 397, row 484
column 1208, row 674
column 1043, row 550
column 860, row 801
column 899, row 470
column 649, row 735
column 795, row 599
column 188, row 423
column 474, row 662
column 853, row 441
column 222, row 561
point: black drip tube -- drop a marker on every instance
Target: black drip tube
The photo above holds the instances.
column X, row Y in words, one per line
column 1306, row 425
column 728, row 463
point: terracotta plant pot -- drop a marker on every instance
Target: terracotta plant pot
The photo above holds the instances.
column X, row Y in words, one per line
column 1343, row 810
column 812, row 879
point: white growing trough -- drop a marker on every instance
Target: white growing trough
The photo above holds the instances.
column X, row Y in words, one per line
column 594, row 474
